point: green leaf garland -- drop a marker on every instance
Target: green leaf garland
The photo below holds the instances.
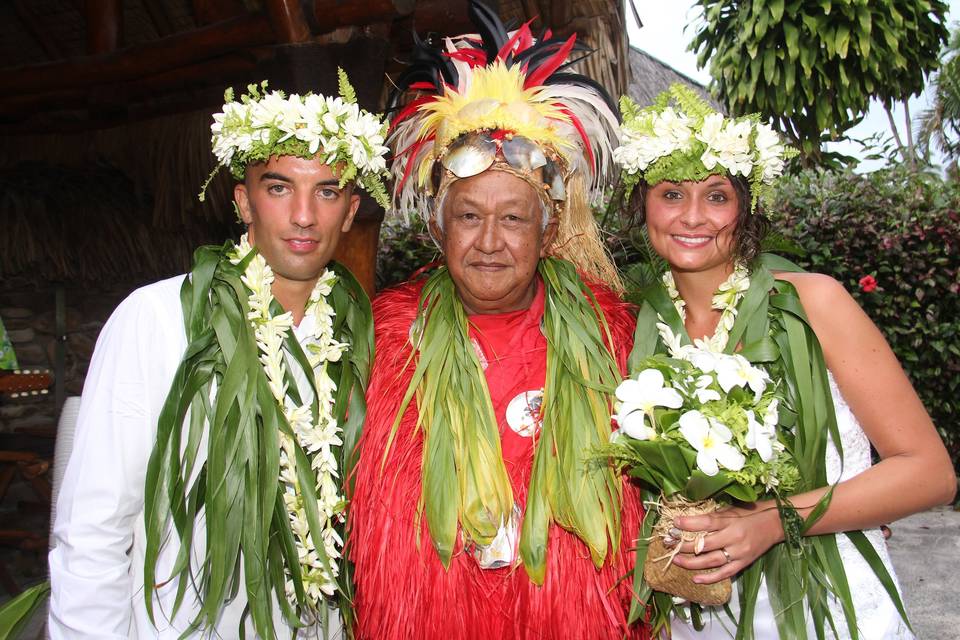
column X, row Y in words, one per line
column 221, row 382
column 465, row 482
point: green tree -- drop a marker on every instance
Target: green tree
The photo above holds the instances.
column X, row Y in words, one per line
column 940, row 124
column 812, row 66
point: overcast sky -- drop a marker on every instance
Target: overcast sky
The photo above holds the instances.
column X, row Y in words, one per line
column 664, row 37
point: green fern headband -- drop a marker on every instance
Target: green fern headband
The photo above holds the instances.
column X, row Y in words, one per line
column 335, row 130
column 681, row 137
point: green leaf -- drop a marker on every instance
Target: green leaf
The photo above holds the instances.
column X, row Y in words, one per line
column 17, row 612
column 776, row 10
column 346, row 89
column 842, row 41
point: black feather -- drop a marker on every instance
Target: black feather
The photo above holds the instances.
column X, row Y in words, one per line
column 493, row 33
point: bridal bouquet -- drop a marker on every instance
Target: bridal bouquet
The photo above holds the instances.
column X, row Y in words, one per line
column 702, row 430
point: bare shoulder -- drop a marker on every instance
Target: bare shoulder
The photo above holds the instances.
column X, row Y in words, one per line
column 822, row 296
column 811, row 284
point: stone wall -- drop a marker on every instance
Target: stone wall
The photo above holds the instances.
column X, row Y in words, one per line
column 29, row 314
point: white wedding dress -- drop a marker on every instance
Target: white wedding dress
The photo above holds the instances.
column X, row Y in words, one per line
column 877, row 617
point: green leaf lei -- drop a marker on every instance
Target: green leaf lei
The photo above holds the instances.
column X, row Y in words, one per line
column 774, row 332
column 465, row 481
column 222, row 384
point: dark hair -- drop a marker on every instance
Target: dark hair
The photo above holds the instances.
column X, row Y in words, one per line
column 750, row 229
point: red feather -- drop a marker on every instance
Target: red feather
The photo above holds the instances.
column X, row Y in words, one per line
column 521, row 38
column 413, row 149
column 423, row 84
column 410, row 109
column 553, row 63
column 583, row 135
column 473, row 57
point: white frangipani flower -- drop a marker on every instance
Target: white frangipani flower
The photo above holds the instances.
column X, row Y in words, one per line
column 638, row 398
column 760, row 437
column 736, row 371
column 705, row 395
column 711, row 439
column 770, row 152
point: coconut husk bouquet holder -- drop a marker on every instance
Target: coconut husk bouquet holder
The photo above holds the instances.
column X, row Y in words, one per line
column 659, row 570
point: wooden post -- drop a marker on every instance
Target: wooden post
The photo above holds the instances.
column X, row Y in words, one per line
column 357, row 250
column 288, row 20
column 104, row 18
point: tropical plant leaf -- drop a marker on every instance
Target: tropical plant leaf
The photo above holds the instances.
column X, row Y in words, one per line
column 17, row 612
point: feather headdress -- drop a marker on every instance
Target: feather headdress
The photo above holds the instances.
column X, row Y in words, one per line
column 507, row 84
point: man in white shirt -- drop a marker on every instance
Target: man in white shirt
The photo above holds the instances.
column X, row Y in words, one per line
column 210, row 342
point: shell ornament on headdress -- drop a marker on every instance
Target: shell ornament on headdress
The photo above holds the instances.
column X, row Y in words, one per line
column 505, row 100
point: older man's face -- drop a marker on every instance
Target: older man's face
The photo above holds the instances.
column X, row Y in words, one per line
column 493, row 237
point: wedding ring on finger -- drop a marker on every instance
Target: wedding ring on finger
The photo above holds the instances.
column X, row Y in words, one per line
column 726, row 555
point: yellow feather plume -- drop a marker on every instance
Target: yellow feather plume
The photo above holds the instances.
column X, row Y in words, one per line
column 494, row 98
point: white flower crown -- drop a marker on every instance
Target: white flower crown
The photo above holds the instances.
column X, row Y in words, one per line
column 691, row 140
column 336, row 130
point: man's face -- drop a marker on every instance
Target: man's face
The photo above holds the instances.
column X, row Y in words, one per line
column 295, row 212
column 493, row 238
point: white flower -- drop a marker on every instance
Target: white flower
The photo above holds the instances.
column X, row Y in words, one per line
column 704, row 356
column 641, row 396
column 736, row 371
column 634, row 424
column 772, row 417
column 705, row 395
column 760, row 437
column 711, row 440
column 650, row 138
column 770, row 152
column 728, row 144
column 673, row 129
column 670, row 339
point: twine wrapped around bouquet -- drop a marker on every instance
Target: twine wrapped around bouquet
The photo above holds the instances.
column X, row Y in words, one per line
column 658, row 569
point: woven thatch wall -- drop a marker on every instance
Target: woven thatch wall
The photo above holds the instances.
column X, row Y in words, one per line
column 116, row 203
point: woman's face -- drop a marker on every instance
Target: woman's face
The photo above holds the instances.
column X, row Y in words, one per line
column 691, row 224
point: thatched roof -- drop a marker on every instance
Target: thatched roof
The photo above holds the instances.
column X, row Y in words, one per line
column 649, row 77
column 85, row 224
column 106, row 149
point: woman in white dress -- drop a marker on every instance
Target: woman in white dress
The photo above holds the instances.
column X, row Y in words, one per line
column 697, row 177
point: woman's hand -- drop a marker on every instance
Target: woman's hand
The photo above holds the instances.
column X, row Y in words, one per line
column 735, row 538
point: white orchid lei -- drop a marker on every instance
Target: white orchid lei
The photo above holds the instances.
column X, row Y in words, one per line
column 336, row 130
column 689, row 140
column 725, row 300
column 319, row 578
